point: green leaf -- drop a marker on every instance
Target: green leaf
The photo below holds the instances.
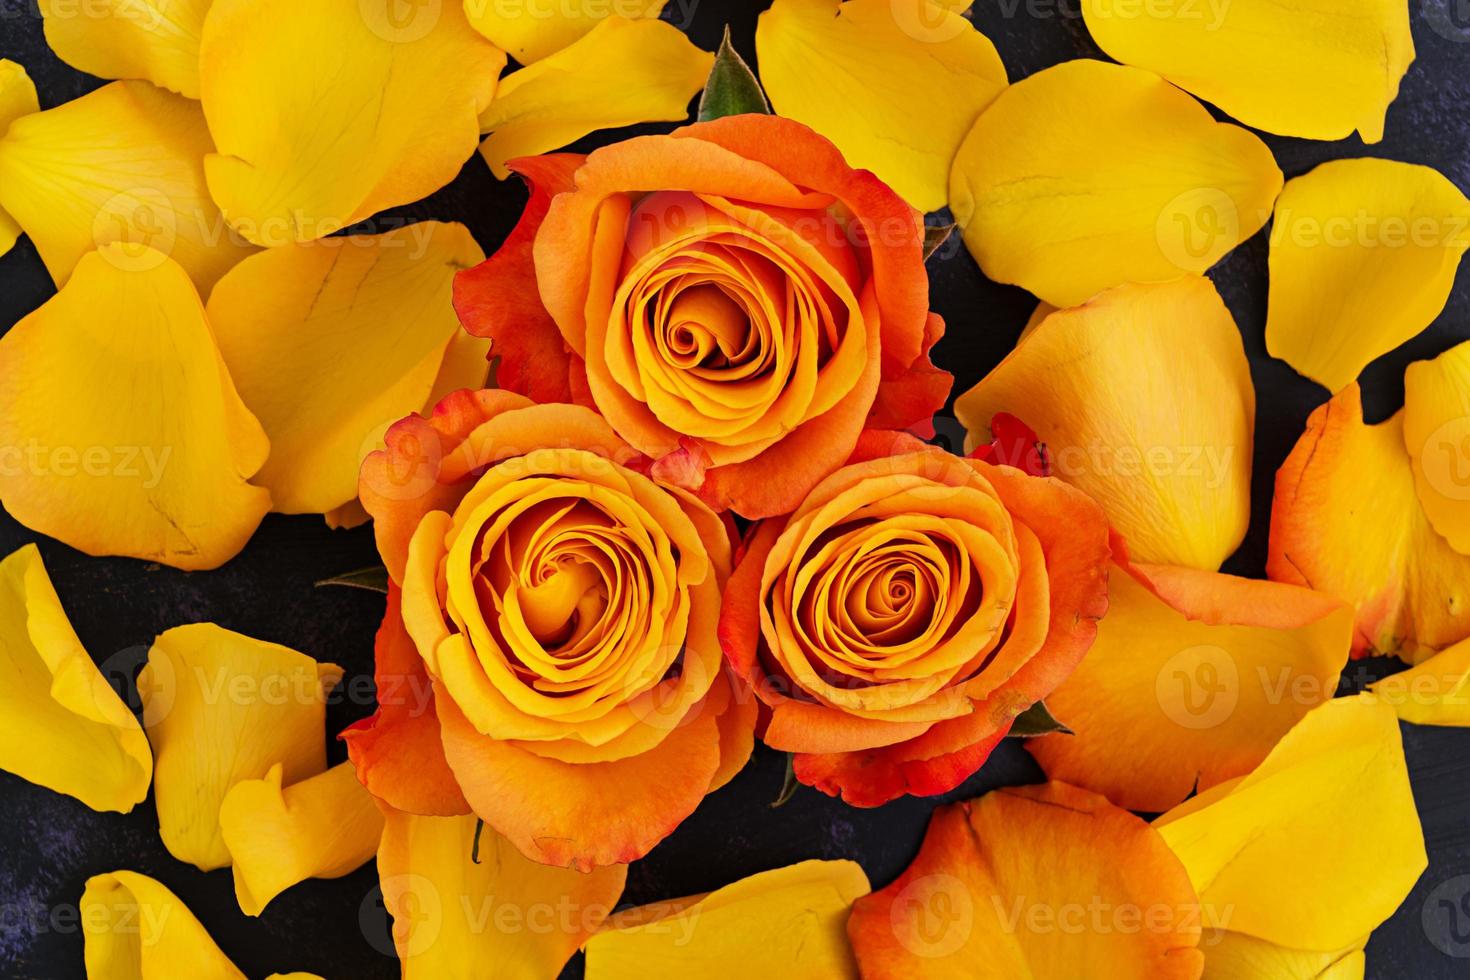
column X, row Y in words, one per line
column 789, row 785
column 374, row 578
column 1037, row 720
column 935, row 236
column 732, row 89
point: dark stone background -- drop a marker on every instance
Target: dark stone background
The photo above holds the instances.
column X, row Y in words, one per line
column 52, row 843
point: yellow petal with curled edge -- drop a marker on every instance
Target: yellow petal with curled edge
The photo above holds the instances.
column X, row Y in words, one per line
column 622, row 72
column 1437, row 436
column 1320, row 843
column 789, row 922
column 1435, row 692
column 157, row 468
column 314, row 136
column 62, row 725
column 529, row 30
column 1296, row 68
column 1139, row 185
column 17, row 98
column 121, row 164
column 1346, row 521
column 1192, row 680
column 147, row 39
column 819, row 59
column 1233, row 956
column 134, row 927
column 328, row 342
column 1166, row 453
column 496, row 914
column 1363, row 255
column 325, row 826
column 220, row 708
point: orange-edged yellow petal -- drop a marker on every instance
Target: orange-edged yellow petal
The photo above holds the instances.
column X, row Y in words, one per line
column 330, row 342
column 158, row 42
column 1363, row 255
column 134, row 927
column 1233, row 956
column 17, row 98
column 1166, row 453
column 1138, row 184
column 1033, row 881
column 1346, row 521
column 622, row 72
column 158, row 467
column 62, row 725
column 501, row 916
column 325, row 826
column 1295, row 68
column 820, row 62
column 1320, row 843
column 1435, row 692
column 1191, row 685
column 122, row 164
column 1437, row 436
column 220, row 708
column 314, row 136
column 529, row 30
column 789, row 922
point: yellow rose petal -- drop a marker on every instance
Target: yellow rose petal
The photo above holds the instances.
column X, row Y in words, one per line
column 1233, row 956
column 314, row 136
column 325, row 826
column 1363, row 255
column 220, row 708
column 1320, row 843
column 623, row 72
column 819, row 61
column 525, row 919
column 62, row 725
column 790, row 922
column 134, row 927
column 121, row 164
column 1436, row 692
column 17, row 98
column 1087, row 175
column 1345, row 520
column 1437, row 435
column 330, row 341
column 1166, row 452
column 123, row 432
column 1292, row 67
column 155, row 41
column 529, row 30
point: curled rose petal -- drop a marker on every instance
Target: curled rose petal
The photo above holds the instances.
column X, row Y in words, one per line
column 311, row 137
column 1436, row 692
column 61, row 724
column 158, row 469
column 158, row 42
column 1166, row 453
column 1193, row 679
column 1008, row 880
column 1293, row 68
column 1363, row 255
column 1274, row 846
column 440, row 898
column 221, row 708
column 123, row 164
column 330, row 341
column 535, row 29
column 325, row 826
column 788, row 922
column 133, row 926
column 1140, row 184
column 1437, row 436
column 818, row 59
column 622, row 72
column 1411, row 589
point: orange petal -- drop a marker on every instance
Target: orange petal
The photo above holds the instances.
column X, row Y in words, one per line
column 1193, row 678
column 1346, row 521
column 1015, row 880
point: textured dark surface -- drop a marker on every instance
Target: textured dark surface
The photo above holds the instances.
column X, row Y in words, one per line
column 52, row 843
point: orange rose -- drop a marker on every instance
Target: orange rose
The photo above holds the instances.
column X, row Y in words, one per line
column 910, row 608
column 736, row 300
column 549, row 657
